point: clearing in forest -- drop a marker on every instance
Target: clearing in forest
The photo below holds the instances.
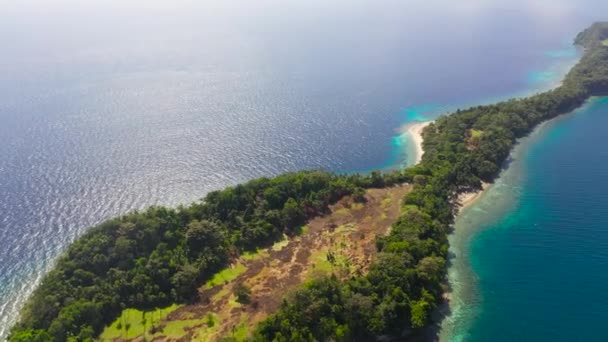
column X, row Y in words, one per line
column 236, row 299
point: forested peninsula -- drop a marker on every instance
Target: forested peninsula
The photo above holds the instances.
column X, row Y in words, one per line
column 163, row 256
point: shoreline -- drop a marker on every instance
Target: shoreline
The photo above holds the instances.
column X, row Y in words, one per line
column 467, row 199
column 415, row 132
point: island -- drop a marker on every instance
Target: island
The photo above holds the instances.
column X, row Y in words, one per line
column 373, row 248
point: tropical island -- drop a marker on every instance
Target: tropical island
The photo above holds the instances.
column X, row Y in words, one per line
column 303, row 256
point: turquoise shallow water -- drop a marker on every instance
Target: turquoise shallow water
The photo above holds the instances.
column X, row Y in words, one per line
column 530, row 256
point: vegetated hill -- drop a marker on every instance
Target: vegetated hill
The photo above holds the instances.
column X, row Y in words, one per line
column 596, row 34
column 341, row 242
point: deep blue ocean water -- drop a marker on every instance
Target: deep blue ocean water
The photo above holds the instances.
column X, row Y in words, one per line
column 110, row 107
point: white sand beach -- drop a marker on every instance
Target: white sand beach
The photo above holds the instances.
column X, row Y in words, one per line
column 466, row 199
column 415, row 131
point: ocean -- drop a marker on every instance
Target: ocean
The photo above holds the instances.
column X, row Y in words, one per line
column 531, row 253
column 114, row 106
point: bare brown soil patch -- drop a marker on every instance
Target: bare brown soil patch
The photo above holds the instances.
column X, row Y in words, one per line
column 342, row 242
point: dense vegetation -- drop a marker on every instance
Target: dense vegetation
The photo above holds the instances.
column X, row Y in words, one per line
column 161, row 256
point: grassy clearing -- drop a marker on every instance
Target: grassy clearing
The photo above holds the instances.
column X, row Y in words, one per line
column 338, row 243
column 251, row 256
column 133, row 323
column 476, row 134
column 302, row 230
column 318, row 262
column 221, row 294
column 342, row 211
column 346, row 228
column 177, row 329
column 241, row 331
column 328, row 260
column 357, row 206
column 225, row 276
column 280, row 244
column 232, row 303
column 210, row 328
column 386, row 203
column 605, row 42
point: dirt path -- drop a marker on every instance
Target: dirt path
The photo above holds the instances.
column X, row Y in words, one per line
column 342, row 242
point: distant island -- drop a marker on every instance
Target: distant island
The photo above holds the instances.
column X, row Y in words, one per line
column 211, row 271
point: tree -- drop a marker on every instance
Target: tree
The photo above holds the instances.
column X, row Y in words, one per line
column 184, row 282
column 431, row 269
column 293, row 214
column 359, row 195
column 30, row 335
column 204, row 236
column 242, row 293
column 419, row 313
